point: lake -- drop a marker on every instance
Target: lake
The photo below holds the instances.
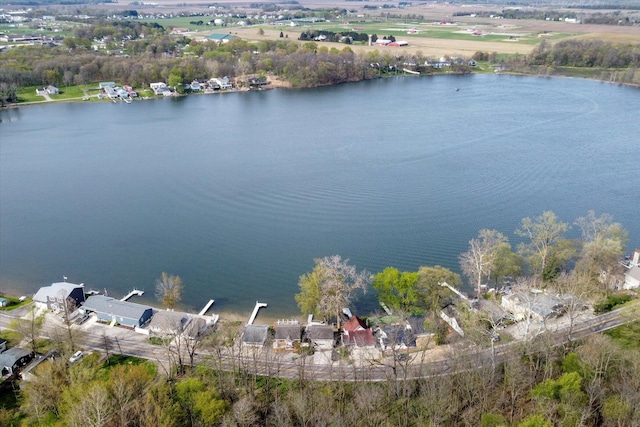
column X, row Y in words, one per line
column 238, row 193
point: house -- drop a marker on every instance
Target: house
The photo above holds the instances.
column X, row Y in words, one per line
column 321, row 336
column 632, row 275
column 13, row 359
column 632, row 278
column 165, row 323
column 195, row 86
column 396, row 337
column 169, row 323
column 220, row 82
column 287, row 333
column 356, row 333
column 52, row 90
column 28, row 373
column 424, row 338
column 533, row 303
column 111, row 310
column 58, row 295
column 255, row 335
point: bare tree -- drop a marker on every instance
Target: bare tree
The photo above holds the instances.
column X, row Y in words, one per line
column 331, row 286
column 169, row 290
column 479, row 260
column 543, row 233
column 29, row 327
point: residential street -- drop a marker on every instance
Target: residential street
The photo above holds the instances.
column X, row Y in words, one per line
column 264, row 361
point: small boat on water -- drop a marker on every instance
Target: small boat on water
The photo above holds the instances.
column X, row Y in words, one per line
column 127, row 100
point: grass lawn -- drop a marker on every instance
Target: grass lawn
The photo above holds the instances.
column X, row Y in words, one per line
column 14, row 302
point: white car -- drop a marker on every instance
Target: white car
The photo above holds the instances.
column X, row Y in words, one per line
column 76, row 356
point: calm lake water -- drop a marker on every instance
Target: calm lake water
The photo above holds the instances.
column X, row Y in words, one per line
column 238, row 193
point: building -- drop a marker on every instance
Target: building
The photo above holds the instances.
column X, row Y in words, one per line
column 355, row 332
column 255, row 335
column 3, row 345
column 321, row 336
column 533, row 303
column 55, row 296
column 13, row 359
column 288, row 332
column 220, row 38
column 632, row 275
column 124, row 313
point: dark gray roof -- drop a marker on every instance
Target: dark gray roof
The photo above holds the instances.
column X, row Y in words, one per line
column 288, row 331
column 255, row 334
column 114, row 307
column 417, row 324
column 9, row 357
column 320, row 332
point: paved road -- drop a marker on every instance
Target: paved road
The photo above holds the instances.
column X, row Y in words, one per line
column 265, row 362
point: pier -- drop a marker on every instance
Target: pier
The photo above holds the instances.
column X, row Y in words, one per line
column 206, row 307
column 258, row 306
column 132, row 293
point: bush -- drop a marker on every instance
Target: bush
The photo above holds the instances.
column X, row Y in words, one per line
column 611, row 302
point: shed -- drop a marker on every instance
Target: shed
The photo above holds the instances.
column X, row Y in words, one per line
column 124, row 313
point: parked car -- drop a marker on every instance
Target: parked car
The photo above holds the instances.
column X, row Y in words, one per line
column 76, row 356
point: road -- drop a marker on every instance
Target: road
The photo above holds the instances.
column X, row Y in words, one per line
column 264, row 361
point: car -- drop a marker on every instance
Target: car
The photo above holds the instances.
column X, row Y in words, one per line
column 76, row 356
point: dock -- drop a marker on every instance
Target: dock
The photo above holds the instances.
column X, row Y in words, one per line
column 258, row 306
column 132, row 293
column 206, row 307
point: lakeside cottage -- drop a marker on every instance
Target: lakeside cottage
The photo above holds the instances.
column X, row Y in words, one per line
column 114, row 311
column 58, row 295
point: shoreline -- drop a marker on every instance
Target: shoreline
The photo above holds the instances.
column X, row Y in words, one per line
column 280, row 84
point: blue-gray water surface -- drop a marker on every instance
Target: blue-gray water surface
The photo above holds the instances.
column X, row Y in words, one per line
column 238, row 193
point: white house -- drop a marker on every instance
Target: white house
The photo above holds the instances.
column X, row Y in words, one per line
column 632, row 275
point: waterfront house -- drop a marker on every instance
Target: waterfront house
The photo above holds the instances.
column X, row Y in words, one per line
column 58, row 295
column 632, row 275
column 14, row 359
column 114, row 311
column 255, row 335
column 533, row 303
column 287, row 333
column 320, row 336
column 397, row 337
column 355, row 332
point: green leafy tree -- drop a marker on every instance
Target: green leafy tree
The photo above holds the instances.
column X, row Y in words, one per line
column 431, row 294
column 398, row 290
column 535, row 421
